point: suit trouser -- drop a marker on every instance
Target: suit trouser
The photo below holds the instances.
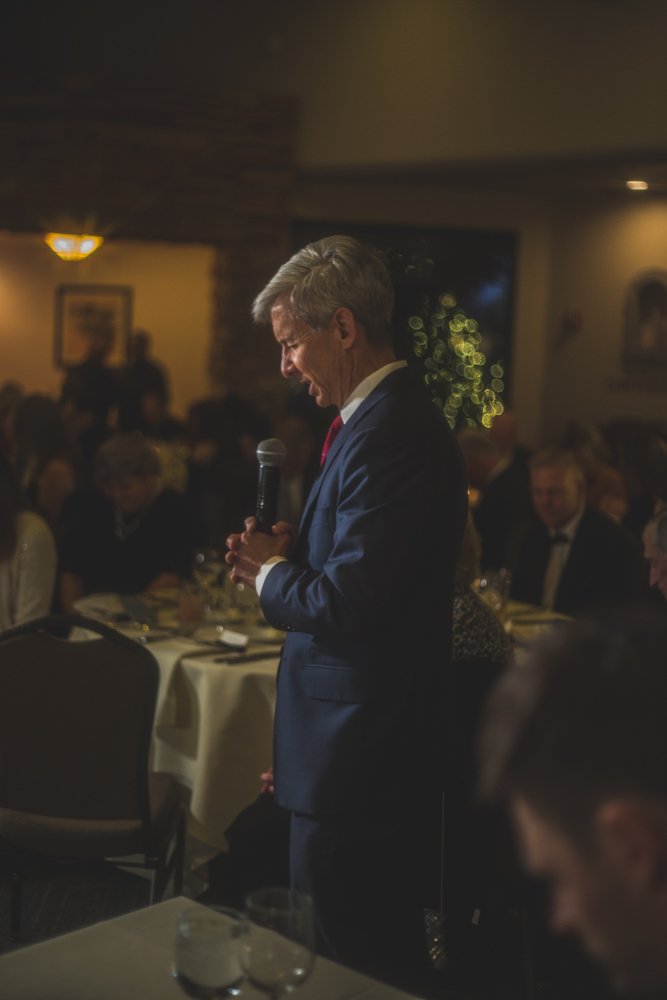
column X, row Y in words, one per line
column 369, row 878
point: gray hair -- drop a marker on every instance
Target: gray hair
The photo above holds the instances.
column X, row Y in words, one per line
column 335, row 272
column 126, row 455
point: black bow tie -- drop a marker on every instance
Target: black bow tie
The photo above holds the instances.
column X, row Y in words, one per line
column 560, row 538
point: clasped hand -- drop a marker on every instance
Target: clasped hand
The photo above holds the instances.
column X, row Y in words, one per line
column 249, row 550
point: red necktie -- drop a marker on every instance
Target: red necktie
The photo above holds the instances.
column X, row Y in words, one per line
column 332, row 434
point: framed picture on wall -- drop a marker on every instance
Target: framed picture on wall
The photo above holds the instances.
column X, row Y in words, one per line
column 92, row 318
column 645, row 327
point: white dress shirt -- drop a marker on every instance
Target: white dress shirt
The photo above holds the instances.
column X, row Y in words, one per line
column 558, row 556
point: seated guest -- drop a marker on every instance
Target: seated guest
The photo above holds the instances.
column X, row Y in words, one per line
column 572, row 556
column 504, row 503
column 576, row 739
column 132, row 535
column 27, row 556
column 655, row 551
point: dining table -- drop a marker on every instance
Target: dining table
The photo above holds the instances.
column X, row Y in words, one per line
column 130, row 958
column 213, row 725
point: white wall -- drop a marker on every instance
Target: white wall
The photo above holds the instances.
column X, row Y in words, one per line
column 173, row 299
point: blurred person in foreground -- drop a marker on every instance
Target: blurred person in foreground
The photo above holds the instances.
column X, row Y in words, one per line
column 572, row 557
column 129, row 535
column 655, row 551
column 27, row 556
column 575, row 738
column 365, row 595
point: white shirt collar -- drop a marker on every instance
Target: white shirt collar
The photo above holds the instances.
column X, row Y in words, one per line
column 366, row 386
column 570, row 528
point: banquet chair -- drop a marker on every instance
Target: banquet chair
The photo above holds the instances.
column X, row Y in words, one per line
column 76, row 722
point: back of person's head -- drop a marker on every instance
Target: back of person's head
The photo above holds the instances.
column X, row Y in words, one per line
column 126, row 456
column 581, row 721
column 140, row 344
column 504, row 432
column 334, row 272
column 481, row 454
column 39, row 429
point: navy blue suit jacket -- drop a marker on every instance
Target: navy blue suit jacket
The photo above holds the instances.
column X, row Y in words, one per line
column 366, row 602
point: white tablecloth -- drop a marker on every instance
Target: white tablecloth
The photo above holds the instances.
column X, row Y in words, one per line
column 129, row 958
column 213, row 721
column 213, row 731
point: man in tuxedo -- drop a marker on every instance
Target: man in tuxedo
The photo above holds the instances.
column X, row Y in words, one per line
column 572, row 556
column 365, row 595
column 575, row 738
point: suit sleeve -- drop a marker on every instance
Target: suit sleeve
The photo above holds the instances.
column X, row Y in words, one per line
column 373, row 533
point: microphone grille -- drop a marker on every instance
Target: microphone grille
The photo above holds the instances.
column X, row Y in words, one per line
column 271, row 452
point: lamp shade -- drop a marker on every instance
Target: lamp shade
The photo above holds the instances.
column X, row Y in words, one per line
column 72, row 246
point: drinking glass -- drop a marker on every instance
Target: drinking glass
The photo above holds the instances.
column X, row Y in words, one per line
column 208, row 571
column 493, row 586
column 277, row 948
column 207, row 952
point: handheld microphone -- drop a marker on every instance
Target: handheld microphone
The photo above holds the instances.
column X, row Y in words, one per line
column 270, row 455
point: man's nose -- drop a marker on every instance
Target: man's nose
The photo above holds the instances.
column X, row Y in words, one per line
column 287, row 369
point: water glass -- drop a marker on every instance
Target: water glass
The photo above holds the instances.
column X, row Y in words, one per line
column 207, row 952
column 277, row 948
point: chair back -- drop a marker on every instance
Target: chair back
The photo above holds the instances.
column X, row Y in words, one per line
column 75, row 721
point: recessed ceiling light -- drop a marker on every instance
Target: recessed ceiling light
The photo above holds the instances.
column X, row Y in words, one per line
column 637, row 185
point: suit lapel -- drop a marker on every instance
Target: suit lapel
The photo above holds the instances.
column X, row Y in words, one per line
column 388, row 385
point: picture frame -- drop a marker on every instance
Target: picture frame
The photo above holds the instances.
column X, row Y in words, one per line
column 644, row 342
column 86, row 315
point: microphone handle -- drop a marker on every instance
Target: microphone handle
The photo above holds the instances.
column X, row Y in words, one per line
column 268, row 482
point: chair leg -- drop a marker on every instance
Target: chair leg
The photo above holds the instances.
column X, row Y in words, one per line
column 178, row 858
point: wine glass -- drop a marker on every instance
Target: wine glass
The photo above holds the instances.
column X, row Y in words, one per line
column 208, row 571
column 207, row 952
column 493, row 587
column 277, row 947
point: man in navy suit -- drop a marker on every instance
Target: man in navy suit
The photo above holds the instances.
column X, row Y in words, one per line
column 365, row 595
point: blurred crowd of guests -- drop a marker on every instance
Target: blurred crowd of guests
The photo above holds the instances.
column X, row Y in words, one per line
column 574, row 522
column 104, row 490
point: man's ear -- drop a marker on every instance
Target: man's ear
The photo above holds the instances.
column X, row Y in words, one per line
column 346, row 326
column 633, row 836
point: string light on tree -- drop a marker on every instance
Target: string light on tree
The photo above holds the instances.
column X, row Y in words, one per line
column 447, row 342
